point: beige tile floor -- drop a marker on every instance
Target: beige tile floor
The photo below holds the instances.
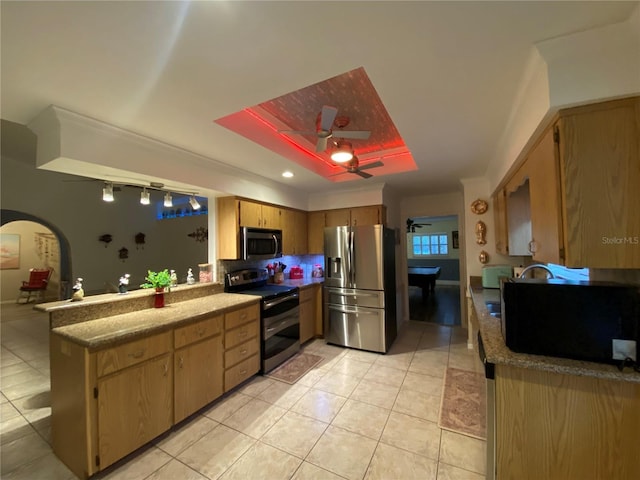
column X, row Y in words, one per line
column 358, row 415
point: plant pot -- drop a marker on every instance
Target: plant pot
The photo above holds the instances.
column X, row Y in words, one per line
column 158, row 301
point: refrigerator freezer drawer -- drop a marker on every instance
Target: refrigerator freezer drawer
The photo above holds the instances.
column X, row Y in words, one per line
column 350, row 296
column 356, row 327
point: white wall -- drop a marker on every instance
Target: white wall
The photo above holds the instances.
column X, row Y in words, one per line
column 77, row 209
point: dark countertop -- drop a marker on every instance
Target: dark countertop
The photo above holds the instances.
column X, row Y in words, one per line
column 103, row 332
column 498, row 353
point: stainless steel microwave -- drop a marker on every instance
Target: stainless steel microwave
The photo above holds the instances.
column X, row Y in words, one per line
column 260, row 243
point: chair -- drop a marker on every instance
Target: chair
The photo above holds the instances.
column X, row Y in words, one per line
column 37, row 284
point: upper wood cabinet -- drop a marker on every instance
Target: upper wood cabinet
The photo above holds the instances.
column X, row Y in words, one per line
column 258, row 215
column 338, row 218
column 294, row 232
column 500, row 218
column 582, row 176
column 315, row 231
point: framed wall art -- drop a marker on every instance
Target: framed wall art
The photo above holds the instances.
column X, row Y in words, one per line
column 9, row 251
column 455, row 241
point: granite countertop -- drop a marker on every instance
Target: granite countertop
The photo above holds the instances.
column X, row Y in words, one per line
column 111, row 330
column 498, row 353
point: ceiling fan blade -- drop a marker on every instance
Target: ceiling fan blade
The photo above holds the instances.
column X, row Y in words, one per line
column 358, row 134
column 327, row 117
column 321, row 146
column 372, row 165
column 363, row 174
column 299, row 132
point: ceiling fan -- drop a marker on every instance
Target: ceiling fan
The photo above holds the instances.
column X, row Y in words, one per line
column 411, row 226
column 325, row 122
column 353, row 166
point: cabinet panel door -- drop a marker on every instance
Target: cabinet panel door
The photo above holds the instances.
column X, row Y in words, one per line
column 287, row 223
column 500, row 218
column 300, row 232
column 544, row 190
column 315, row 224
column 135, row 405
column 366, row 216
column 338, row 218
column 600, row 164
column 198, row 376
column 307, row 320
column 271, row 217
column 250, row 214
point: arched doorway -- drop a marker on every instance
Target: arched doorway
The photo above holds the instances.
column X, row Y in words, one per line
column 61, row 264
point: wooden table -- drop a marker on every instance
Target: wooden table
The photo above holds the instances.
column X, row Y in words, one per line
column 423, row 277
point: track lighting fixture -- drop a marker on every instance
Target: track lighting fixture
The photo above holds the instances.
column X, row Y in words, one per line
column 107, row 192
column 194, row 203
column 145, row 197
column 168, row 200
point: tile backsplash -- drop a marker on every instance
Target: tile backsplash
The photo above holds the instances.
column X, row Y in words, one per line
column 306, row 262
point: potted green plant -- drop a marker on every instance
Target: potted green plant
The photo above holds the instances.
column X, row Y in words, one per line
column 159, row 281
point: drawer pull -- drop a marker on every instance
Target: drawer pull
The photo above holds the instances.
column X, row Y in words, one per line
column 137, row 354
column 242, row 352
column 181, row 362
column 244, row 333
column 166, row 370
column 200, row 332
column 243, row 372
column 243, row 316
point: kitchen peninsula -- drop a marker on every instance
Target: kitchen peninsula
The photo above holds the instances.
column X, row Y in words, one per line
column 123, row 373
column 558, row 418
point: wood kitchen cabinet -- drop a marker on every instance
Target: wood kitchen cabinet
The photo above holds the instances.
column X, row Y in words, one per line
column 294, row 232
column 308, row 312
column 565, row 427
column 582, row 175
column 315, row 231
column 258, row 215
column 356, row 216
column 500, row 220
column 198, row 366
column 241, row 345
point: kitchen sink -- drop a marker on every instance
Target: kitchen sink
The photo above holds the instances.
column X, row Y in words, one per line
column 494, row 308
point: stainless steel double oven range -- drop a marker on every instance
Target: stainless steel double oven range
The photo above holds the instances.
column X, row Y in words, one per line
column 279, row 314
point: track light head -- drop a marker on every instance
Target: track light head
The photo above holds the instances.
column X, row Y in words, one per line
column 145, row 198
column 194, row 203
column 107, row 192
column 168, row 200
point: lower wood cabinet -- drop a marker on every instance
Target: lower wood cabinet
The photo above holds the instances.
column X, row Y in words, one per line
column 107, row 403
column 242, row 345
column 134, row 407
column 310, row 312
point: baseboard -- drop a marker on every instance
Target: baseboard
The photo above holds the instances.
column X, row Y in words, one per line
column 448, row 282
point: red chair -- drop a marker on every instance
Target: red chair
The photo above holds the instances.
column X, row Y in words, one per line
column 37, row 284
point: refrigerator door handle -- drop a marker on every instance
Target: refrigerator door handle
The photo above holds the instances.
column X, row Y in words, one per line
column 352, row 276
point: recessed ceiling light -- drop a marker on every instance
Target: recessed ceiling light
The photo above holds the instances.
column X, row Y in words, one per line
column 287, row 174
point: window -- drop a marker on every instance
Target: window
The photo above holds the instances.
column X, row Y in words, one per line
column 434, row 244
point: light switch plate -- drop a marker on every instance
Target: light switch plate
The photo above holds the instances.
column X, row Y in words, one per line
column 623, row 349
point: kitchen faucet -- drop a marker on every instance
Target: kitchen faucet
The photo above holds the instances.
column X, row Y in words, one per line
column 537, row 265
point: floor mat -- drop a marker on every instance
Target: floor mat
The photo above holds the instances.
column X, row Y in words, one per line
column 293, row 369
column 463, row 407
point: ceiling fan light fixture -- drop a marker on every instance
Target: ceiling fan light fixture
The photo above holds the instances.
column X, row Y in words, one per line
column 343, row 153
column 107, row 192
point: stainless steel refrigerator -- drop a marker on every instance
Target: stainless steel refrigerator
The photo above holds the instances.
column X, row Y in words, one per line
column 360, row 287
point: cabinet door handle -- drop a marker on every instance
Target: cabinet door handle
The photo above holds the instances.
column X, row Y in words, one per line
column 200, row 332
column 166, row 370
column 137, row 353
column 532, row 246
column 180, row 361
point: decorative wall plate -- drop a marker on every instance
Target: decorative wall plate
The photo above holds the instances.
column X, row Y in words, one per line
column 479, row 207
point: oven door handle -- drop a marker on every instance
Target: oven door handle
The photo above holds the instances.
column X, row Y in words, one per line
column 271, row 330
column 277, row 301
